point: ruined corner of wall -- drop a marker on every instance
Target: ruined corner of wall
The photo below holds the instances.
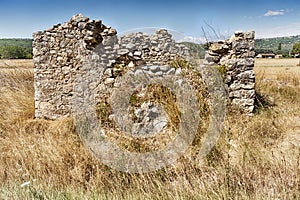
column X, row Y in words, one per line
column 57, row 55
column 235, row 60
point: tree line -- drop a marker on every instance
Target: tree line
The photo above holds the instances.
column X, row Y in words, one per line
column 15, row 48
column 22, row 48
column 296, row 48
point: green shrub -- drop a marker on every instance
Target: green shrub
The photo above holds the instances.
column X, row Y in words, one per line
column 15, row 52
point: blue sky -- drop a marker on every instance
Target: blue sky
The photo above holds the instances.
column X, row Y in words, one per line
column 269, row 18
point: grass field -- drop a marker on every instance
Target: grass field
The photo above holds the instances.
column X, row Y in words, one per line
column 16, row 64
column 256, row 157
column 275, row 67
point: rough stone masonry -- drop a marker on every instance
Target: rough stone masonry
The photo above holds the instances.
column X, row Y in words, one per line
column 60, row 52
column 236, row 57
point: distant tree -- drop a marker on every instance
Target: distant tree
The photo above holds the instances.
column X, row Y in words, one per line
column 279, row 47
column 15, row 52
column 284, row 52
column 11, row 52
column 207, row 45
column 258, row 51
column 296, row 48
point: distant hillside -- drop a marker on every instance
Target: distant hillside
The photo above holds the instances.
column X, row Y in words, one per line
column 22, row 48
column 278, row 45
column 196, row 50
column 15, row 48
column 24, row 43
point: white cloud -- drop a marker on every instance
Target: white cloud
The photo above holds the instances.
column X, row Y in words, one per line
column 274, row 13
column 192, row 39
column 289, row 29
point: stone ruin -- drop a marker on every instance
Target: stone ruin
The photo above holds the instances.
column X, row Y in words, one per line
column 59, row 55
column 235, row 57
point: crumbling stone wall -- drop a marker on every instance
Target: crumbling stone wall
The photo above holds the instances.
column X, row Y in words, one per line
column 235, row 58
column 60, row 52
column 57, row 56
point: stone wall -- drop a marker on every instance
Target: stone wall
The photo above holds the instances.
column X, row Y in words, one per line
column 61, row 52
column 235, row 58
column 57, row 56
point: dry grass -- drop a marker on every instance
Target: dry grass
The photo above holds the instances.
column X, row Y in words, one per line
column 275, row 67
column 283, row 62
column 255, row 158
column 16, row 64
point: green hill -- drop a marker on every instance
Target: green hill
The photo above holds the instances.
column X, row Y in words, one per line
column 278, row 45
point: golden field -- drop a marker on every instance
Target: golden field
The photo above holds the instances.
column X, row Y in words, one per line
column 256, row 157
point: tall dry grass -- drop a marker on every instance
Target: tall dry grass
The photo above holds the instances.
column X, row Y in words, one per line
column 255, row 158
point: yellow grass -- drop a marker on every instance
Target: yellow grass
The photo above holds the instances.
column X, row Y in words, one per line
column 283, row 62
column 20, row 63
column 255, row 158
column 276, row 67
